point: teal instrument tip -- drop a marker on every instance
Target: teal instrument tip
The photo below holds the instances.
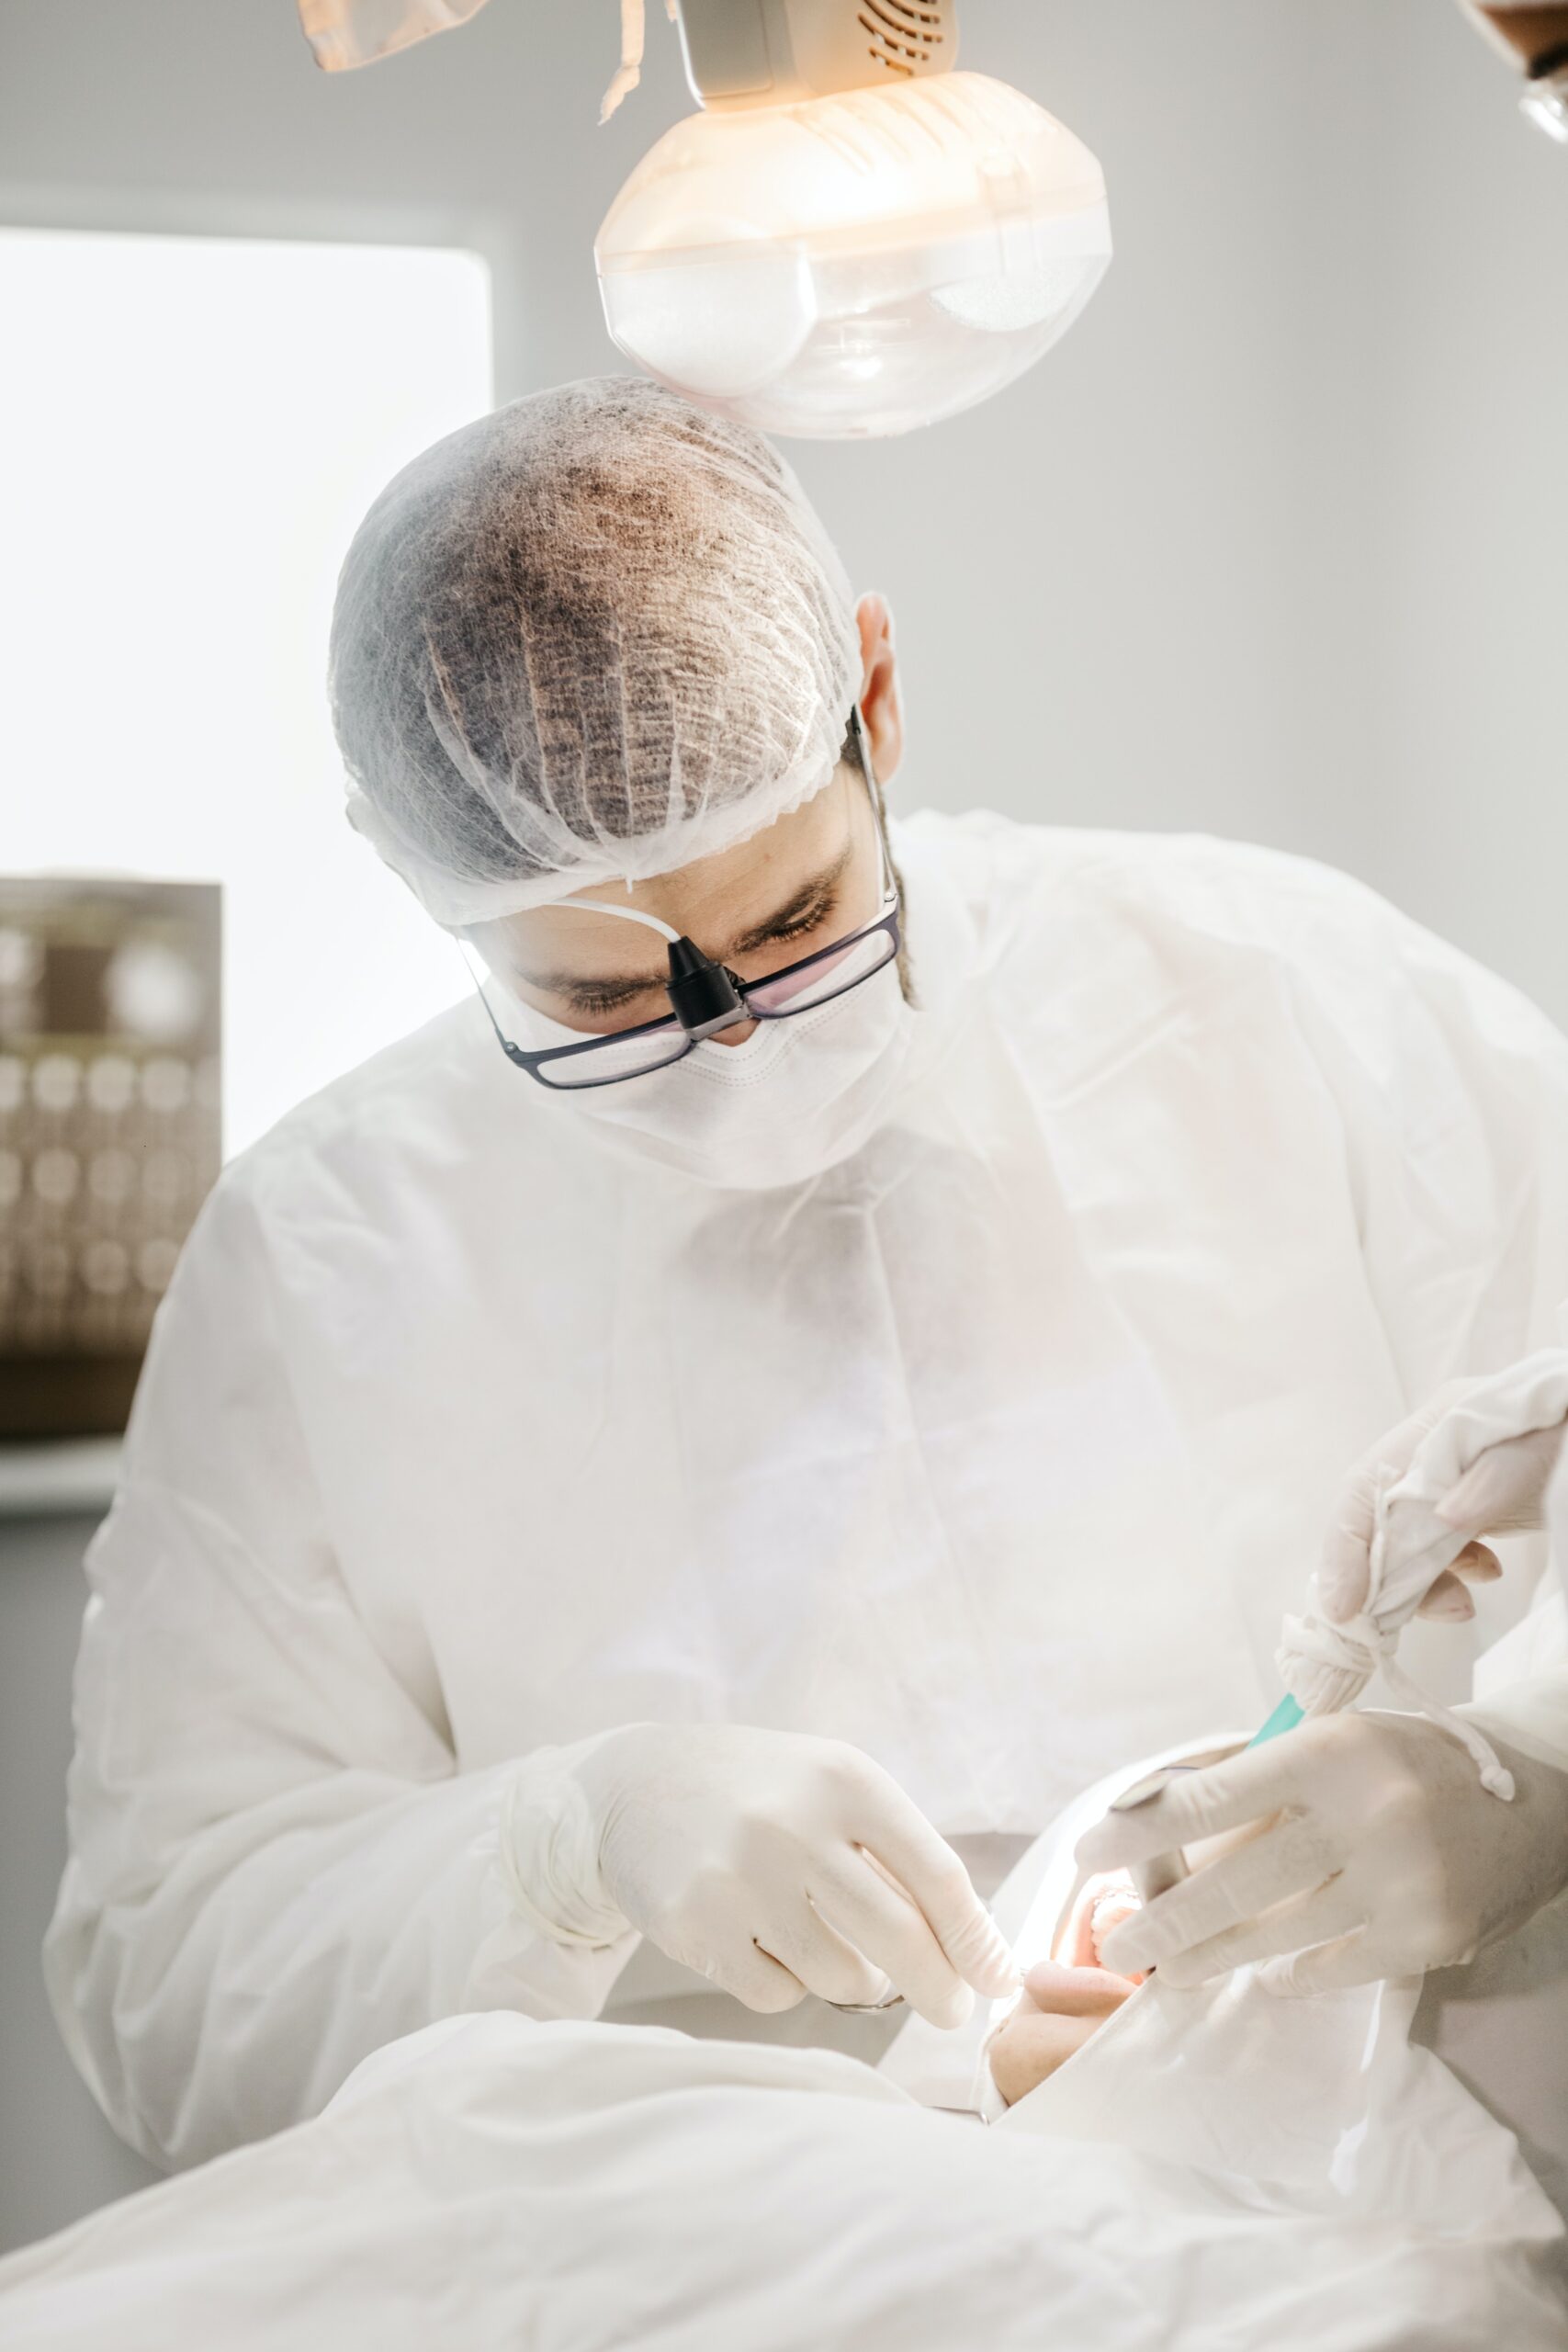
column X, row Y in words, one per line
column 1285, row 1717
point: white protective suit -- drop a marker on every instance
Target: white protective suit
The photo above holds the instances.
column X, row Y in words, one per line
column 999, row 1449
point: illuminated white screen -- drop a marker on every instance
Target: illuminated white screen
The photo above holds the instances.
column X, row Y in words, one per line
column 192, row 429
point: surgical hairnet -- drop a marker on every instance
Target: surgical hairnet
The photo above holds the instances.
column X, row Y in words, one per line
column 595, row 635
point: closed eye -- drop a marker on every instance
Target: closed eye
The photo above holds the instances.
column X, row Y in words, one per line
column 807, row 911
column 803, row 927
column 611, row 999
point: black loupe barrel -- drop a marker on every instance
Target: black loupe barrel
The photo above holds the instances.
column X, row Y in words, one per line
column 701, row 991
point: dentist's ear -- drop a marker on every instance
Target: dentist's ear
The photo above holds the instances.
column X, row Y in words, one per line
column 879, row 701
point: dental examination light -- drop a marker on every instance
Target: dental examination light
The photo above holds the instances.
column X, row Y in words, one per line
column 851, row 238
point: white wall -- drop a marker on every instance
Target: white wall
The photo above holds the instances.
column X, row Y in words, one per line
column 1471, row 812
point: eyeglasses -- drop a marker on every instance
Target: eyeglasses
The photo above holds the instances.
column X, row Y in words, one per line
column 708, row 997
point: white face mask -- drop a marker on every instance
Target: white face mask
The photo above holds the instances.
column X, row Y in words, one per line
column 794, row 1098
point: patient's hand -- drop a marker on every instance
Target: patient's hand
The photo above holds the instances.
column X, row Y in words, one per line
column 1067, row 1999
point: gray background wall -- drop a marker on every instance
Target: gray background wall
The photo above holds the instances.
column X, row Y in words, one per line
column 1273, row 546
column 58, row 2158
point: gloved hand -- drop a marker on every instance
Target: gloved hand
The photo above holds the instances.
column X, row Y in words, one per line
column 774, row 1863
column 1501, row 1493
column 1376, row 1852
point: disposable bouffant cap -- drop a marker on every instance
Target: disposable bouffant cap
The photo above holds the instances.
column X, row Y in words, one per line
column 591, row 637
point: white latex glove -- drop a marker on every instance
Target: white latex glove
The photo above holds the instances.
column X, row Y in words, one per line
column 1376, row 1852
column 1501, row 1493
column 774, row 1863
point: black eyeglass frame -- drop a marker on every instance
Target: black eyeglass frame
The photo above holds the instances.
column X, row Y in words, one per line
column 890, row 921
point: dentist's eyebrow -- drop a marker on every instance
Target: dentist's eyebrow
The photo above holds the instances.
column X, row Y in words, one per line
column 621, row 988
column 812, row 898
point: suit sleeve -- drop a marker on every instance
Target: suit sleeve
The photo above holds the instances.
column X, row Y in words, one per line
column 275, row 1864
